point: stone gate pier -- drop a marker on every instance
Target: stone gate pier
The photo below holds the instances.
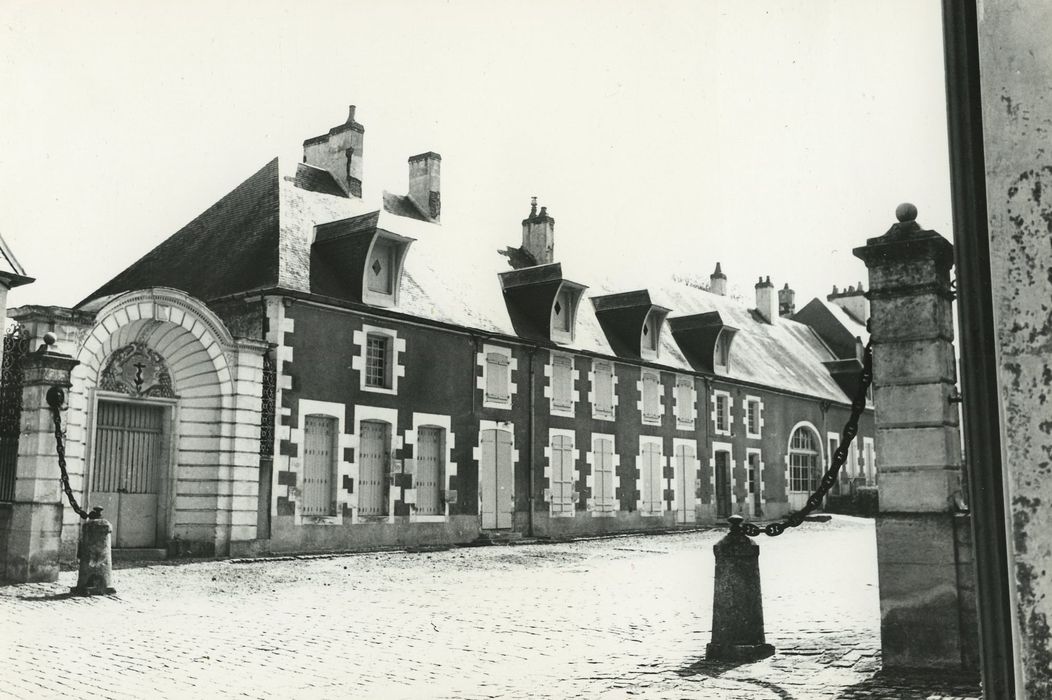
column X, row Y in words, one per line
column 927, row 602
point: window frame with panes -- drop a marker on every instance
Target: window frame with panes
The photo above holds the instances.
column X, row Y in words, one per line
column 753, row 417
column 721, row 414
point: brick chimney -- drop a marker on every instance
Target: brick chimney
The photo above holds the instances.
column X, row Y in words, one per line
column 766, row 300
column 853, row 301
column 538, row 234
column 424, row 183
column 718, row 282
column 786, row 301
column 339, row 152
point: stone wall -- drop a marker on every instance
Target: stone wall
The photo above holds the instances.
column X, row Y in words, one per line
column 1016, row 70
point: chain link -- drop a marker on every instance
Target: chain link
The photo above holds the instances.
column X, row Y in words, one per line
column 839, row 457
column 60, row 448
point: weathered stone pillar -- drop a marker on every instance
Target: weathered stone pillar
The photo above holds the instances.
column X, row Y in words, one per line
column 918, row 441
column 36, row 513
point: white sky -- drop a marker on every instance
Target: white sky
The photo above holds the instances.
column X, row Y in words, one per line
column 771, row 136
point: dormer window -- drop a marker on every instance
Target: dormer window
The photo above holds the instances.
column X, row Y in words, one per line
column 650, row 338
column 541, row 303
column 631, row 322
column 705, row 340
column 722, row 352
column 354, row 259
column 562, row 321
column 380, row 271
column 383, row 269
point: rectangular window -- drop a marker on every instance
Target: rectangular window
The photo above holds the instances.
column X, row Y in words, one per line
column 752, row 418
column 603, row 390
column 723, row 413
column 800, row 467
column 685, row 402
column 562, row 383
column 378, row 361
column 651, row 397
column 497, row 378
column 754, row 473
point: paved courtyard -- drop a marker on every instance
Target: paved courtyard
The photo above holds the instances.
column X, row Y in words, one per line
column 610, row 618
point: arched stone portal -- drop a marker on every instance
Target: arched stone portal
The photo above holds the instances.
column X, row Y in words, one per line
column 193, row 406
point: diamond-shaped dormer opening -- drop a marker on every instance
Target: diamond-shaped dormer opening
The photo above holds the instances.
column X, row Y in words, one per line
column 558, row 308
column 646, row 329
column 377, row 267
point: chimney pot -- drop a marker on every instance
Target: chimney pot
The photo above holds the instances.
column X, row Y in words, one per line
column 340, row 152
column 718, row 281
column 538, row 234
column 786, row 301
column 425, row 178
column 766, row 300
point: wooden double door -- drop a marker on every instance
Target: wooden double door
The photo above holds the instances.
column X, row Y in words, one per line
column 129, row 468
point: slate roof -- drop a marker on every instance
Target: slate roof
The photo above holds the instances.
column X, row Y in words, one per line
column 231, row 247
column 260, row 236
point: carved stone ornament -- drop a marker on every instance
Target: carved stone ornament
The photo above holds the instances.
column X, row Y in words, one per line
column 138, row 371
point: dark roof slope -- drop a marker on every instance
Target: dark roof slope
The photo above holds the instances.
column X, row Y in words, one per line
column 232, row 246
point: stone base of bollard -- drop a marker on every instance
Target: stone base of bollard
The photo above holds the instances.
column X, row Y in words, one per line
column 737, row 608
column 96, row 563
column 738, row 652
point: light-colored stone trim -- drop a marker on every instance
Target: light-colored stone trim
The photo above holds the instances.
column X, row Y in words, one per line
column 651, row 440
column 643, row 372
column 358, row 338
column 714, row 414
column 375, row 413
column 449, row 468
column 685, row 380
column 574, row 455
column 481, row 382
column 750, row 399
column 603, row 510
column 549, row 386
column 304, row 408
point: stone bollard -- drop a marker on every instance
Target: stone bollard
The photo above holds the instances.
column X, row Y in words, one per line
column 737, row 608
column 96, row 563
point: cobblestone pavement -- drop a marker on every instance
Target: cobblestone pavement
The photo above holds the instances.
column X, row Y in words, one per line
column 611, row 618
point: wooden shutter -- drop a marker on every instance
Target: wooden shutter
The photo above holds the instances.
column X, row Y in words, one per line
column 562, row 474
column 497, row 377
column 562, row 383
column 653, row 481
column 685, row 401
column 603, row 373
column 430, row 460
column 651, row 396
column 319, row 461
column 603, row 479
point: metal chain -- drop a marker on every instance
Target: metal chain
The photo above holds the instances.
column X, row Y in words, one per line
column 60, row 447
column 839, row 457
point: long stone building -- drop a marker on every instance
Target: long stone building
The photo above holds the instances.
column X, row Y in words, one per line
column 298, row 369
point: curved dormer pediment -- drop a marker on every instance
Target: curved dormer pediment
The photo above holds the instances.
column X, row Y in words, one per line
column 632, row 323
column 705, row 340
column 541, row 303
column 353, row 259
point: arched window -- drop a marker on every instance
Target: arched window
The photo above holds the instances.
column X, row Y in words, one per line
column 803, row 459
